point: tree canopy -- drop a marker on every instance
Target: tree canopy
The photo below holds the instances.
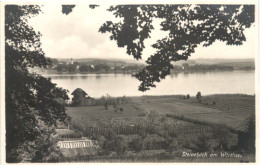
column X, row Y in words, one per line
column 187, row 25
column 30, row 98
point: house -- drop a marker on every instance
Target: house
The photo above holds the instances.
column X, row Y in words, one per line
column 78, row 149
column 246, row 133
column 81, row 98
column 92, row 67
column 72, row 149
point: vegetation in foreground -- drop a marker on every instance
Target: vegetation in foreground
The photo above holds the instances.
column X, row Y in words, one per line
column 143, row 132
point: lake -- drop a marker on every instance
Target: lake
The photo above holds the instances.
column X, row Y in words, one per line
column 218, row 82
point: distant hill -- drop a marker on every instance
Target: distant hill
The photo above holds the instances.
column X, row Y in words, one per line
column 219, row 61
column 222, row 62
column 241, row 63
column 110, row 62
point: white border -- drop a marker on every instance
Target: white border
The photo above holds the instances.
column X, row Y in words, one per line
column 114, row 2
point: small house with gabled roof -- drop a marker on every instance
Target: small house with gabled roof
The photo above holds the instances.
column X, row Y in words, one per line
column 81, row 98
column 246, row 133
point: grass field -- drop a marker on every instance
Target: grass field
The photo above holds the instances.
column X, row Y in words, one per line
column 229, row 109
column 175, row 121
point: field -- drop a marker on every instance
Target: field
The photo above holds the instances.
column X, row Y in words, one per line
column 164, row 126
column 228, row 109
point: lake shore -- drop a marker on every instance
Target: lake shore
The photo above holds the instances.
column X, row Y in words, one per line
column 173, row 71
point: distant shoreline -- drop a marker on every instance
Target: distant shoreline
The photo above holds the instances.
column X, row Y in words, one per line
column 49, row 72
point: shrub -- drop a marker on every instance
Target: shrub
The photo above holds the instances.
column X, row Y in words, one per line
column 154, row 141
column 101, row 140
column 152, row 117
column 105, row 105
column 117, row 144
column 162, row 119
column 221, row 133
column 201, row 144
column 188, row 96
column 198, row 96
column 137, row 144
column 121, row 109
column 172, row 144
column 186, row 144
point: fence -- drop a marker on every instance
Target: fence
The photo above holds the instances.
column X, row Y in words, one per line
column 128, row 130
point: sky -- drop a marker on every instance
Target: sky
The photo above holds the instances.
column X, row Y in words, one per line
column 76, row 36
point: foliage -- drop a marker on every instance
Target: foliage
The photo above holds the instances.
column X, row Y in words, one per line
column 93, row 6
column 187, row 25
column 152, row 118
column 29, row 96
column 72, row 68
column 221, row 133
column 188, row 96
column 61, row 68
column 45, row 150
column 84, row 68
column 137, row 144
column 173, row 144
column 66, row 9
column 117, row 144
column 198, row 96
column 100, row 67
column 105, row 105
column 202, row 143
column 101, row 140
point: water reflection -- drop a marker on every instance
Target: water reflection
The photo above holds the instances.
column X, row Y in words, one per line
column 177, row 83
column 98, row 76
column 174, row 75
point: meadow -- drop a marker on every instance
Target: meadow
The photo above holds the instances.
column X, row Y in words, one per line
column 227, row 109
column 160, row 128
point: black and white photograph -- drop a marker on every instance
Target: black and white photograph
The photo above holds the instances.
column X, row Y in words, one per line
column 121, row 82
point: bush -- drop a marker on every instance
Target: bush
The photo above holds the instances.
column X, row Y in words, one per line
column 188, row 96
column 172, row 145
column 105, row 105
column 152, row 117
column 214, row 103
column 137, row 144
column 101, row 140
column 201, row 144
column 198, row 96
column 221, row 133
column 162, row 119
column 117, row 144
column 154, row 141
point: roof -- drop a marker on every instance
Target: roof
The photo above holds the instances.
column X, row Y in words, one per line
column 79, row 90
column 80, row 147
column 243, row 126
column 64, row 131
column 90, row 98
